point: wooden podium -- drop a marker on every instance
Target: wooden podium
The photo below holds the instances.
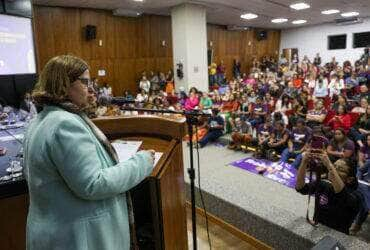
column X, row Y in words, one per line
column 159, row 201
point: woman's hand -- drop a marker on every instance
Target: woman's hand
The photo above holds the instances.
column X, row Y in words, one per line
column 325, row 159
column 152, row 154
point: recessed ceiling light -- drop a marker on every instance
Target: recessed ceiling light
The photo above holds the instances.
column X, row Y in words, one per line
column 349, row 14
column 279, row 20
column 140, row 1
column 299, row 22
column 300, row 6
column 329, row 12
column 249, row 16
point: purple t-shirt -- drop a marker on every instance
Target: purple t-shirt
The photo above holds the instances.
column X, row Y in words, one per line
column 300, row 137
column 348, row 145
column 262, row 130
column 366, row 151
column 260, row 108
column 280, row 134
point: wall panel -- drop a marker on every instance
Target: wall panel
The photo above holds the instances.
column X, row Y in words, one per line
column 132, row 45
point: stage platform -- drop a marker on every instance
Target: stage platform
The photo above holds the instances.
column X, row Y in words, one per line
column 262, row 208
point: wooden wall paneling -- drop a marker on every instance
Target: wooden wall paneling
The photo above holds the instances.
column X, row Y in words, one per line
column 14, row 215
column 143, row 33
column 121, row 38
column 86, row 46
column 92, row 50
column 132, row 45
column 155, row 46
column 44, row 36
column 66, row 30
column 111, row 36
column 124, row 76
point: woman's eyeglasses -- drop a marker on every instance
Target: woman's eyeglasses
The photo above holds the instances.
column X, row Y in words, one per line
column 85, row 81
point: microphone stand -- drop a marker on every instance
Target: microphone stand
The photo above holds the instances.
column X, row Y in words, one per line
column 191, row 119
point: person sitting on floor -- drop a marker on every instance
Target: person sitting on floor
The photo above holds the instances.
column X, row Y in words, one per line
column 264, row 131
column 279, row 116
column 297, row 143
column 192, row 101
column 240, row 135
column 278, row 140
column 215, row 128
column 258, row 112
column 340, row 146
column 205, row 102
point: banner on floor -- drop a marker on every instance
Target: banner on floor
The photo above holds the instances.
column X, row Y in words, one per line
column 283, row 173
column 280, row 172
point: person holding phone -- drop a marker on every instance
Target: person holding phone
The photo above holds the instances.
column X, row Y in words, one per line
column 341, row 206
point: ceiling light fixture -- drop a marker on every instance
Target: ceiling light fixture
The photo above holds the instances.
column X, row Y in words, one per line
column 279, row 20
column 329, row 12
column 249, row 16
column 349, row 14
column 138, row 0
column 300, row 6
column 299, row 21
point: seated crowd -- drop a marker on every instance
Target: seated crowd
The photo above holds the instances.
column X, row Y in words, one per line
column 276, row 110
column 279, row 110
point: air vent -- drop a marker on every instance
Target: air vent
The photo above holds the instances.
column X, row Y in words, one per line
column 237, row 28
column 348, row 21
column 125, row 12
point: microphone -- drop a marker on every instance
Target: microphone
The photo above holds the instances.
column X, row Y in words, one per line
column 121, row 101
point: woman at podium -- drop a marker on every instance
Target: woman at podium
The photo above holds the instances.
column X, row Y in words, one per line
column 77, row 187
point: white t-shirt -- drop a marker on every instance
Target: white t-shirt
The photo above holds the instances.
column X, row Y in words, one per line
column 145, row 85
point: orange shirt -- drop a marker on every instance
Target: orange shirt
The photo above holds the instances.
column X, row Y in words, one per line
column 169, row 87
column 297, row 83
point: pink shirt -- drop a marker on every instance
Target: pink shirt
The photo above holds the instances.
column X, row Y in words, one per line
column 191, row 103
column 250, row 81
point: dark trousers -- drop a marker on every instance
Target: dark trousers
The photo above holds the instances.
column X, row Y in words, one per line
column 355, row 135
column 210, row 136
column 363, row 211
column 364, row 171
column 265, row 147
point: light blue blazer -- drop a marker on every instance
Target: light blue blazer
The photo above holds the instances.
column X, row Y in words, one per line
column 77, row 195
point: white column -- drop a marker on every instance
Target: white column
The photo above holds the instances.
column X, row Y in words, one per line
column 189, row 39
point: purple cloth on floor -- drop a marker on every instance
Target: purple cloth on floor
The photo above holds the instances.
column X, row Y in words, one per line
column 280, row 172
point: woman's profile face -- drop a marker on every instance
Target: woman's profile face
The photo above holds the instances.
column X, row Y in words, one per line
column 78, row 91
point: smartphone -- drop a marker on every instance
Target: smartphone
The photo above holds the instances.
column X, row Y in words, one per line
column 318, row 143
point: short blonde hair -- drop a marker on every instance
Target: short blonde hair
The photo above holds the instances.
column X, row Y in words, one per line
column 56, row 77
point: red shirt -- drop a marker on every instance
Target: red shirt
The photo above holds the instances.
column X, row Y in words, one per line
column 343, row 121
